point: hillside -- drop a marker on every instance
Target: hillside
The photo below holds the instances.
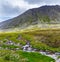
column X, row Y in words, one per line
column 47, row 40
column 41, row 15
column 39, row 39
column 20, row 56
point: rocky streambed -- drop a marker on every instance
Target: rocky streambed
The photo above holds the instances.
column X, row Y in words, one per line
column 55, row 55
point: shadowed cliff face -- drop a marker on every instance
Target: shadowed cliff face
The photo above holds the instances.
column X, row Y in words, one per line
column 44, row 14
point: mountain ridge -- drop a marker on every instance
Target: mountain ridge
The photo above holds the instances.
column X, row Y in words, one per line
column 42, row 15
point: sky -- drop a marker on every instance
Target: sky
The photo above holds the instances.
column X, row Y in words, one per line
column 13, row 8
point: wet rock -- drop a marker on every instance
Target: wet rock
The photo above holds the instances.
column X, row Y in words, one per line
column 58, row 60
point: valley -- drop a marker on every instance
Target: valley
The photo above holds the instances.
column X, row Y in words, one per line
column 33, row 36
column 41, row 40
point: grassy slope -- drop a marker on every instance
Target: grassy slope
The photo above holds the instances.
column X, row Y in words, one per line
column 45, row 39
column 40, row 39
column 14, row 56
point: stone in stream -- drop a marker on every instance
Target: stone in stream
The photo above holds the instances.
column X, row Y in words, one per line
column 58, row 60
column 57, row 53
column 10, row 43
column 27, row 48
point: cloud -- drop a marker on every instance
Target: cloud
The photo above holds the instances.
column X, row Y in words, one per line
column 34, row 1
column 47, row 2
column 12, row 8
column 7, row 10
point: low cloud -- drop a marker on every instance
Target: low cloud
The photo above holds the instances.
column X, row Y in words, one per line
column 47, row 2
column 13, row 8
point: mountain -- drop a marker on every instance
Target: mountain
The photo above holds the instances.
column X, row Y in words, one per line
column 42, row 15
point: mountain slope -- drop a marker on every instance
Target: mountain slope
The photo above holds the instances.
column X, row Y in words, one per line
column 44, row 14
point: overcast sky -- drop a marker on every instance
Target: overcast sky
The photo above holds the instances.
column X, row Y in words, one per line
column 13, row 8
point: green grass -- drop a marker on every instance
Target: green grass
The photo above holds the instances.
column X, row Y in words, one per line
column 39, row 39
column 20, row 56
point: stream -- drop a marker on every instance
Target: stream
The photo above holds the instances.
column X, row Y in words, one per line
column 28, row 48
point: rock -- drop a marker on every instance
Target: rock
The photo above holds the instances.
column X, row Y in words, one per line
column 17, row 48
column 58, row 60
column 57, row 53
column 27, row 48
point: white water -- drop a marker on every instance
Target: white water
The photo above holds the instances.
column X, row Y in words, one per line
column 54, row 56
